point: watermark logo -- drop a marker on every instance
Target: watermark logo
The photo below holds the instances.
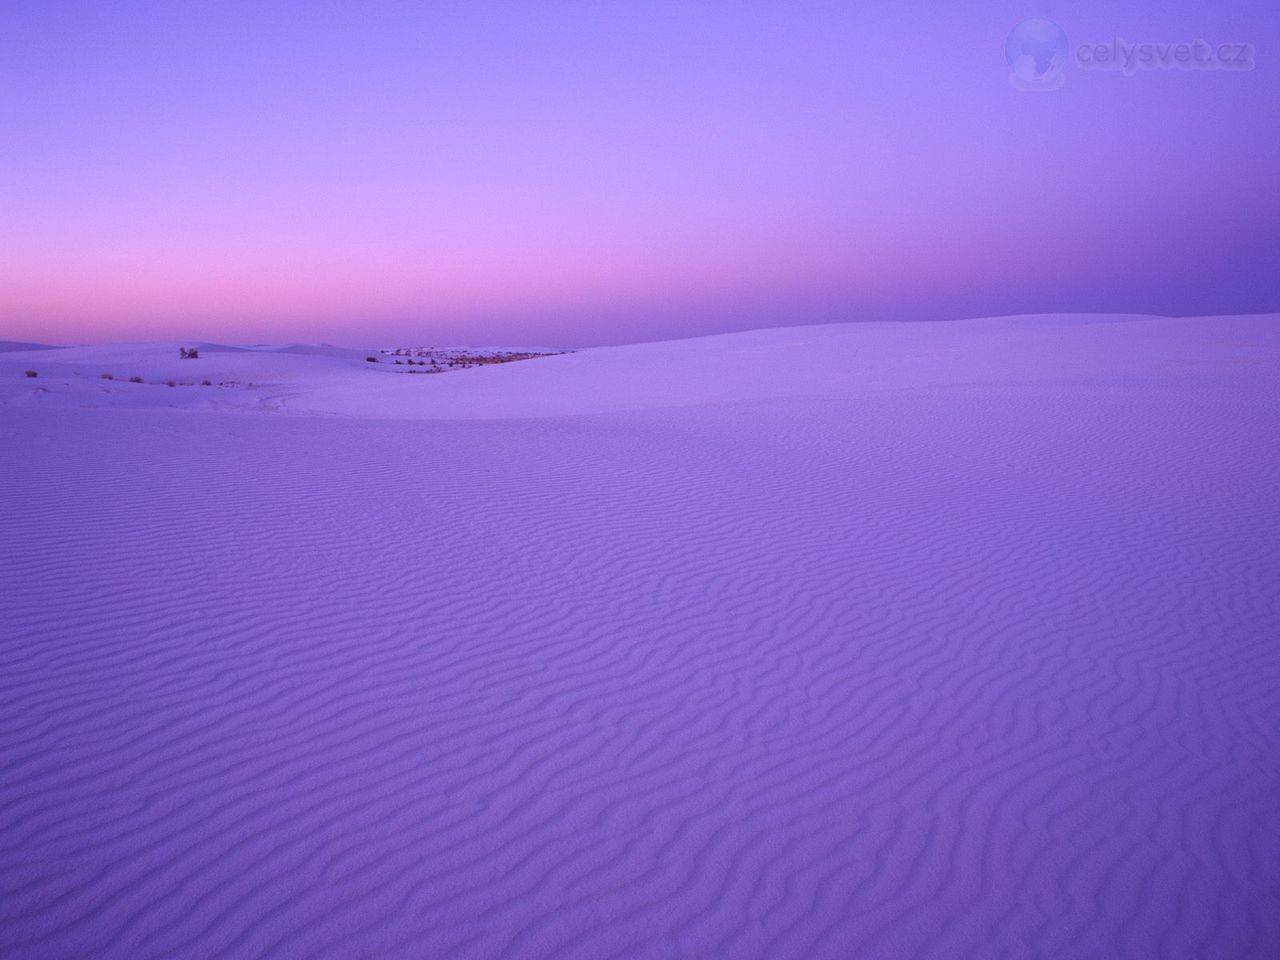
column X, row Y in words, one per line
column 1036, row 50
column 1129, row 58
column 1038, row 53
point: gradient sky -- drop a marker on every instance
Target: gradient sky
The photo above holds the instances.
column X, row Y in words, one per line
column 588, row 172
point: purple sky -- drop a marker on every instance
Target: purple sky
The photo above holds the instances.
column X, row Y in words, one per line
column 578, row 173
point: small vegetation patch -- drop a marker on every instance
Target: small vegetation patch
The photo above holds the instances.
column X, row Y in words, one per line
column 31, row 373
column 135, row 380
column 438, row 360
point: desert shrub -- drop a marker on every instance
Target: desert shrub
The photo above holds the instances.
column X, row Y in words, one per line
column 135, row 379
column 206, row 383
column 370, row 359
column 170, row 383
column 105, row 376
column 32, row 373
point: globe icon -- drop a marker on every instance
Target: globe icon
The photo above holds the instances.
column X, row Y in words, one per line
column 1037, row 53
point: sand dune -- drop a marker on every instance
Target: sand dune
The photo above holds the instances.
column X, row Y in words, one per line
column 8, row 346
column 928, row 640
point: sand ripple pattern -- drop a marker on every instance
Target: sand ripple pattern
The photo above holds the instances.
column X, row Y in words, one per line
column 968, row 672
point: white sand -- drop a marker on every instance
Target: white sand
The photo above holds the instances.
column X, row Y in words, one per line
column 921, row 640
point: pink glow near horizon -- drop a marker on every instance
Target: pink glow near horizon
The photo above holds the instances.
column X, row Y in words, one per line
column 577, row 175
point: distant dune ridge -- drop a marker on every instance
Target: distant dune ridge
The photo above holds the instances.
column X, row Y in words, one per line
column 9, row 346
column 870, row 640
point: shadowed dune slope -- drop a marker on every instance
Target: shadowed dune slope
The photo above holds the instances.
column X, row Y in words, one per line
column 980, row 668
